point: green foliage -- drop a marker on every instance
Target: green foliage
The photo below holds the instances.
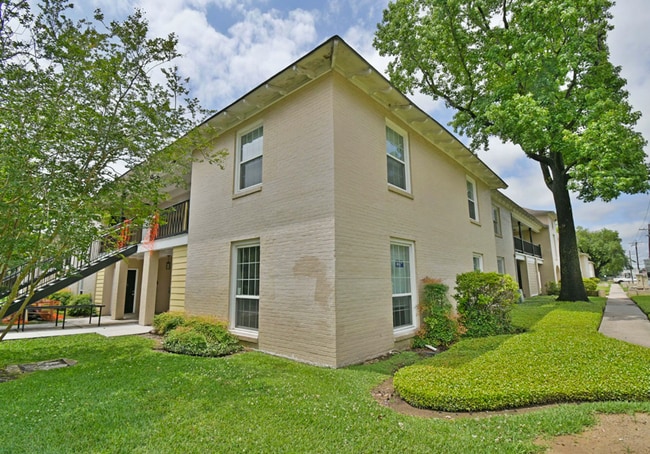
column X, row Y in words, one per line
column 439, row 326
column 62, row 296
column 605, row 251
column 125, row 103
column 167, row 321
column 562, row 359
column 591, row 285
column 553, row 288
column 545, row 85
column 78, row 300
column 195, row 335
column 484, row 302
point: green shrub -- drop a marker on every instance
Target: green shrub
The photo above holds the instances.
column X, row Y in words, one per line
column 195, row 335
column 553, row 288
column 439, row 326
column 77, row 300
column 591, row 285
column 62, row 296
column 167, row 321
column 484, row 302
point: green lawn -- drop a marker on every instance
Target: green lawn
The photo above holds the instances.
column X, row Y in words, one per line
column 123, row 397
column 561, row 358
column 643, row 301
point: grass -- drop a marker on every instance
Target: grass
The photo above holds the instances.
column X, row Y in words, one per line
column 123, row 397
column 643, row 301
column 562, row 358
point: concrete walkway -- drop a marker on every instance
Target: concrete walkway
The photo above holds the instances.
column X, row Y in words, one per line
column 624, row 320
column 108, row 328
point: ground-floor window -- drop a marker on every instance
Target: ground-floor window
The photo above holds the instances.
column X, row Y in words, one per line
column 402, row 275
column 246, row 273
column 477, row 261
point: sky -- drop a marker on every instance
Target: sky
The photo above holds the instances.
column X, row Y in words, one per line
column 229, row 47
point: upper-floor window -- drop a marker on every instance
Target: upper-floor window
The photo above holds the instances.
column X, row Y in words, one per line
column 472, row 201
column 249, row 158
column 496, row 220
column 397, row 156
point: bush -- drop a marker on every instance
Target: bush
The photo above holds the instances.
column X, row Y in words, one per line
column 591, row 285
column 78, row 300
column 439, row 326
column 62, row 296
column 195, row 335
column 484, row 302
column 553, row 288
column 167, row 321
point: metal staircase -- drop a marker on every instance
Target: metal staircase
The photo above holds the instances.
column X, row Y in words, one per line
column 118, row 243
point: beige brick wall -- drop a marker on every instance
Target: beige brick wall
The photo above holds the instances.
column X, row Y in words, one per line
column 368, row 215
column 324, row 218
column 292, row 216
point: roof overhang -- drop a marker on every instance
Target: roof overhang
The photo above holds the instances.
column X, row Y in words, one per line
column 336, row 55
column 518, row 213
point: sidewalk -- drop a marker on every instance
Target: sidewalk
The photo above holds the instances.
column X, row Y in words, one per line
column 108, row 328
column 624, row 320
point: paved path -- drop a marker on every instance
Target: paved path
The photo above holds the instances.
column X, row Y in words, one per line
column 109, row 328
column 624, row 320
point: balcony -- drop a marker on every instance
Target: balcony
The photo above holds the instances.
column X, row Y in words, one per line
column 174, row 220
column 527, row 247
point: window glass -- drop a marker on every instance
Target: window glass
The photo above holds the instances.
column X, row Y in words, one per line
column 478, row 262
column 247, row 287
column 501, row 265
column 471, row 200
column 400, row 256
column 496, row 220
column 396, row 159
column 251, row 147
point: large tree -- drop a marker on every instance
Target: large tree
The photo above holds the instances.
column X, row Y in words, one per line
column 604, row 249
column 80, row 102
column 535, row 73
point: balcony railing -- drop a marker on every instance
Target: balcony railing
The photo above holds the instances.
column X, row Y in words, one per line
column 527, row 247
column 175, row 220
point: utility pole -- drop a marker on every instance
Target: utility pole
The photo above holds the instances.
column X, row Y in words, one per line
column 636, row 249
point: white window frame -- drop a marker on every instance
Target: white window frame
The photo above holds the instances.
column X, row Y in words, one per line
column 244, row 331
column 472, row 198
column 477, row 262
column 406, row 329
column 501, row 265
column 496, row 221
column 238, row 158
column 405, row 162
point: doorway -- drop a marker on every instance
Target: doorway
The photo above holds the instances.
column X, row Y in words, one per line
column 129, row 300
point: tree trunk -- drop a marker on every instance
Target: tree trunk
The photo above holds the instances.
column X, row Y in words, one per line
column 572, row 287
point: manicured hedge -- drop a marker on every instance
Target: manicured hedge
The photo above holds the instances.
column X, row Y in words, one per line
column 562, row 359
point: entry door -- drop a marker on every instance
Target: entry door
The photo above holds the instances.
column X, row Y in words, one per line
column 129, row 300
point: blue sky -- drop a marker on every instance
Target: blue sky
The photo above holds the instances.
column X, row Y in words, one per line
column 232, row 46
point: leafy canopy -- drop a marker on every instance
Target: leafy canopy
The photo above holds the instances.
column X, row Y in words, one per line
column 81, row 101
column 533, row 72
column 604, row 249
